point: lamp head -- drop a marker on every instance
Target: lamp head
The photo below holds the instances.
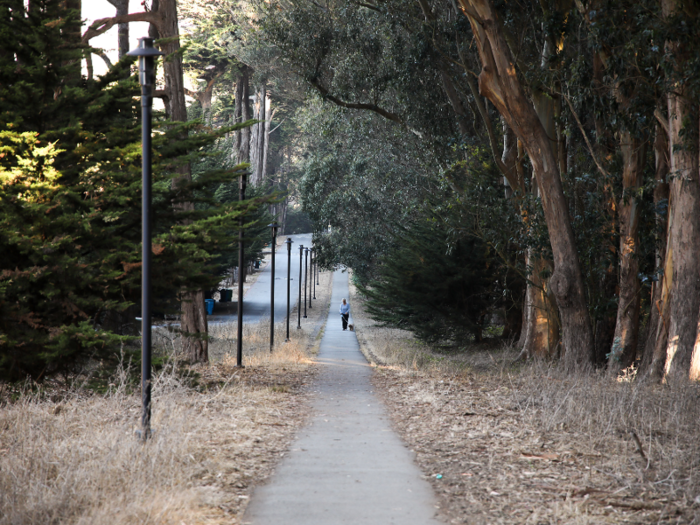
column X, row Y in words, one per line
column 146, row 53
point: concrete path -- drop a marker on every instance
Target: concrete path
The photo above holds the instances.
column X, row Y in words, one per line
column 347, row 466
column 256, row 303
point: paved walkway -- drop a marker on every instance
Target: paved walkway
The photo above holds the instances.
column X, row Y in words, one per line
column 347, row 466
column 256, row 304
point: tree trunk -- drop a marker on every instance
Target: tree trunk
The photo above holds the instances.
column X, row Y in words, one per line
column 624, row 350
column 261, row 132
column 266, row 137
column 255, row 143
column 652, row 364
column 243, row 106
column 243, row 141
column 510, row 155
column 123, row 37
column 499, row 83
column 541, row 323
column 193, row 314
column 683, row 252
column 258, row 137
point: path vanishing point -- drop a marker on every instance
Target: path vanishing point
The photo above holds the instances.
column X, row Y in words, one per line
column 347, row 466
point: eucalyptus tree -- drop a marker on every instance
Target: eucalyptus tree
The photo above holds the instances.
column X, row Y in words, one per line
column 582, row 89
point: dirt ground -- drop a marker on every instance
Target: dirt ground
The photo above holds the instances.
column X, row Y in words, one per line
column 500, row 443
column 70, row 456
column 511, row 444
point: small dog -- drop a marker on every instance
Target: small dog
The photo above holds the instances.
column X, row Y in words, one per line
column 351, row 327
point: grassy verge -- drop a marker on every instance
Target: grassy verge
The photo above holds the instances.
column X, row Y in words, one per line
column 525, row 443
column 73, row 458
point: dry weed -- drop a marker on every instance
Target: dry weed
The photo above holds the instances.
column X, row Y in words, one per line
column 526, row 443
column 78, row 461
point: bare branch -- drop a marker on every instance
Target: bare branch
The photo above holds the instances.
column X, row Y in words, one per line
column 585, row 137
column 351, row 105
column 369, row 6
column 105, row 24
column 662, row 119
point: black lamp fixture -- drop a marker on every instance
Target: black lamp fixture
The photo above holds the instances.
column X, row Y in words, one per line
column 147, row 78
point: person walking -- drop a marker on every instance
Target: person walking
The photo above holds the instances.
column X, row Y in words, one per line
column 345, row 313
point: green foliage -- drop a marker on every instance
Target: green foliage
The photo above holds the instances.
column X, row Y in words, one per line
column 297, row 222
column 70, row 196
column 438, row 289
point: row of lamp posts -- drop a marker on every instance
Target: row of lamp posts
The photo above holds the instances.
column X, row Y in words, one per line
column 147, row 54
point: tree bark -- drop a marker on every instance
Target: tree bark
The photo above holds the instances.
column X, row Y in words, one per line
column 624, row 350
column 122, row 7
column 652, row 364
column 683, row 252
column 498, row 81
column 243, row 142
column 193, row 314
column 269, row 114
column 242, row 98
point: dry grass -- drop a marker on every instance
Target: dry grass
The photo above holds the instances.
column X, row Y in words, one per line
column 219, row 431
column 529, row 444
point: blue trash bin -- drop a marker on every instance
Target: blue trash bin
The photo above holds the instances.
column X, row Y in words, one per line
column 210, row 306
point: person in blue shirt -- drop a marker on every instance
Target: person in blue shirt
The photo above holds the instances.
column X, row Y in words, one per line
column 345, row 313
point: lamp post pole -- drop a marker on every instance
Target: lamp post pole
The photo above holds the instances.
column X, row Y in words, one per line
column 317, row 280
column 146, row 53
column 306, row 275
column 311, row 256
column 301, row 257
column 314, row 271
column 274, row 227
column 241, row 259
column 289, row 243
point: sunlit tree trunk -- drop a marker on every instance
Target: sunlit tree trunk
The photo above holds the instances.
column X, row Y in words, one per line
column 683, row 252
column 682, row 271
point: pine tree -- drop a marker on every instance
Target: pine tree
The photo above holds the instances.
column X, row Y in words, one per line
column 70, row 185
column 437, row 290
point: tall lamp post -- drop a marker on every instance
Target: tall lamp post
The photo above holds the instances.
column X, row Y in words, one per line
column 314, row 270
column 289, row 243
column 306, row 275
column 147, row 78
column 241, row 259
column 301, row 265
column 274, row 227
column 311, row 256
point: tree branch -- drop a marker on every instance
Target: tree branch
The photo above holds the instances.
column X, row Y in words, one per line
column 351, row 105
column 105, row 24
column 585, row 137
column 369, row 6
